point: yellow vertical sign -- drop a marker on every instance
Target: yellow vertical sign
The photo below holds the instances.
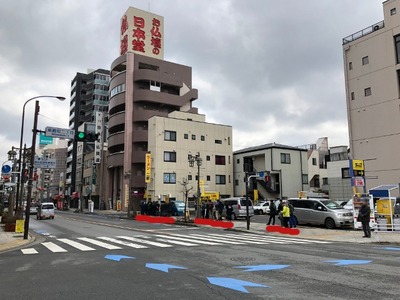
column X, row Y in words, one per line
column 358, row 165
column 148, row 168
column 19, row 226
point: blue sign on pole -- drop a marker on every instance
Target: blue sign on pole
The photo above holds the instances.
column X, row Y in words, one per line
column 6, row 169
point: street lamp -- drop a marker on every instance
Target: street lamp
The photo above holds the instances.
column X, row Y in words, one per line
column 32, row 160
column 192, row 159
column 19, row 175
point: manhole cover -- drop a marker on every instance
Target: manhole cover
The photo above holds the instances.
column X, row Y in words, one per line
column 242, row 259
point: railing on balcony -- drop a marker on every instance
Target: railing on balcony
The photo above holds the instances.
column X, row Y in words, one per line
column 364, row 32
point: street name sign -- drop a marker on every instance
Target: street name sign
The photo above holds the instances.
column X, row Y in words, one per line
column 62, row 133
column 44, row 163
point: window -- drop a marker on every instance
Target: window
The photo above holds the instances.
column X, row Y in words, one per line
column 324, row 180
column 208, row 157
column 169, row 156
column 218, row 141
column 236, row 182
column 365, row 60
column 189, row 177
column 193, row 137
column 220, row 179
column 345, row 173
column 219, row 160
column 397, row 46
column 350, row 66
column 367, row 92
column 169, row 135
column 285, row 158
column 304, row 179
column 352, row 96
column 169, row 178
column 185, row 136
column 203, row 138
column 208, row 177
column 314, row 161
column 238, row 160
column 393, row 11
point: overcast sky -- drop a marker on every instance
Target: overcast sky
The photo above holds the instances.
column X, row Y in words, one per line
column 272, row 69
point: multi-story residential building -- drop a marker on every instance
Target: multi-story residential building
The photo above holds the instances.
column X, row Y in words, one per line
column 338, row 174
column 142, row 85
column 140, row 88
column 89, row 96
column 318, row 154
column 286, row 169
column 372, row 76
column 171, row 139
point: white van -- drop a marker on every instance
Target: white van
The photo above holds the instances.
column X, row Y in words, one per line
column 45, row 211
column 239, row 207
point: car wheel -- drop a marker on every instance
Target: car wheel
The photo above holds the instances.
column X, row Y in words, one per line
column 330, row 223
column 234, row 216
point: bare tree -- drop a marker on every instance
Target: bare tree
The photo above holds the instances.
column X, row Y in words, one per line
column 185, row 191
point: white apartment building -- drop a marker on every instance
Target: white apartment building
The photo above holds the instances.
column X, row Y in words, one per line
column 286, row 167
column 372, row 79
column 171, row 139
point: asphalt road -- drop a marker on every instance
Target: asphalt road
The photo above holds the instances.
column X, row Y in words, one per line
column 80, row 256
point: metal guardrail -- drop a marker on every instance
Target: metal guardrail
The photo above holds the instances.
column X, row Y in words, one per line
column 386, row 223
column 363, row 32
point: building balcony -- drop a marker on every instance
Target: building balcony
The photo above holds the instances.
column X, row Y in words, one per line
column 164, row 98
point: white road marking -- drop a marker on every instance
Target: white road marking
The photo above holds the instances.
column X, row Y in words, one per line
column 132, row 239
column 53, row 247
column 29, row 251
column 77, row 245
column 122, row 242
column 99, row 243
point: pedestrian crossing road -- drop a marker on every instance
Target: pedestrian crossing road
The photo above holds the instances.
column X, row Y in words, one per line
column 59, row 245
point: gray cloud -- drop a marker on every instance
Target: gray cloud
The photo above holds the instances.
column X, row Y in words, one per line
column 270, row 68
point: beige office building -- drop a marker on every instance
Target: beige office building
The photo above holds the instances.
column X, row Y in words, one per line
column 372, row 76
column 171, row 139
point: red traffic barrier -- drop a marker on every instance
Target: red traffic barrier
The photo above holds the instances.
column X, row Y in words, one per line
column 283, row 230
column 213, row 223
column 153, row 219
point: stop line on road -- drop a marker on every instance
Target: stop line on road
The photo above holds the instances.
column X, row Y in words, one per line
column 161, row 241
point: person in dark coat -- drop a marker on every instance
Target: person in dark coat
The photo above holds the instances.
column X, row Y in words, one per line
column 364, row 217
column 229, row 210
column 272, row 213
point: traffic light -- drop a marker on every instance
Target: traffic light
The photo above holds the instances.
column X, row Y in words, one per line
column 81, row 136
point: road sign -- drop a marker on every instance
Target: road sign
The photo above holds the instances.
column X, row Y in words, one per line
column 62, row 133
column 6, row 169
column 44, row 163
column 358, row 181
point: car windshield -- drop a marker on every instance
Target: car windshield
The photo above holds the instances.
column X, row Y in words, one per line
column 331, row 204
column 48, row 206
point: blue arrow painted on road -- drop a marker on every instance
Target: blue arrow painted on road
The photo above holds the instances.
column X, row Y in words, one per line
column 262, row 267
column 392, row 248
column 118, row 257
column 234, row 284
column 163, row 267
column 346, row 262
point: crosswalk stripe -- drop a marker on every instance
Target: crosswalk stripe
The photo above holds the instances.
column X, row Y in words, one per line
column 221, row 239
column 53, row 247
column 176, row 242
column 99, row 243
column 170, row 236
column 171, row 239
column 161, row 245
column 232, row 236
column 270, row 239
column 77, row 245
column 122, row 242
column 29, row 251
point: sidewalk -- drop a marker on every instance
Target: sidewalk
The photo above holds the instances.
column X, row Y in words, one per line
column 11, row 240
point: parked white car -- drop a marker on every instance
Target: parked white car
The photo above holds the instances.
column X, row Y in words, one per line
column 261, row 208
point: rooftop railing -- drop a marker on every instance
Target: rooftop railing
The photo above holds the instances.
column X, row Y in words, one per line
column 363, row 32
